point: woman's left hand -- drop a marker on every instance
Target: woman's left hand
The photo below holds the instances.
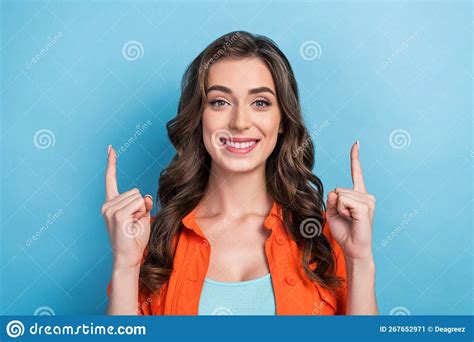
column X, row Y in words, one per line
column 350, row 214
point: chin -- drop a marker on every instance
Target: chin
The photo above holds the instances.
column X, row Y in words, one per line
column 238, row 166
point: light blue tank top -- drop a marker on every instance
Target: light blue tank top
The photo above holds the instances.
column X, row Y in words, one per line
column 250, row 297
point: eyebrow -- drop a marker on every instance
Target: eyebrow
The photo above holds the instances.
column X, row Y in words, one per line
column 251, row 91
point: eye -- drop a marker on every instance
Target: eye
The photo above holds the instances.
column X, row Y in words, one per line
column 262, row 103
column 218, row 103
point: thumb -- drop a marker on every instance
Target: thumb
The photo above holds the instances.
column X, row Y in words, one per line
column 331, row 205
column 148, row 206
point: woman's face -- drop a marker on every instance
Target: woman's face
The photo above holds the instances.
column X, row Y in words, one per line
column 241, row 118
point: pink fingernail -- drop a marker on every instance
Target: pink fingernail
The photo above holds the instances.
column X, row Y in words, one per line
column 358, row 144
column 149, row 196
column 108, row 149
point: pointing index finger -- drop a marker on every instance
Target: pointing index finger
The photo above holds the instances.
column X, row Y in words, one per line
column 111, row 189
column 356, row 169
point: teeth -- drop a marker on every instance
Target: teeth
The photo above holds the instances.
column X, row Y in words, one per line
column 246, row 144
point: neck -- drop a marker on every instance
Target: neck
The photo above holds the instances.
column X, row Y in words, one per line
column 236, row 193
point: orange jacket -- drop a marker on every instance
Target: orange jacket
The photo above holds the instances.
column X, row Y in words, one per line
column 295, row 293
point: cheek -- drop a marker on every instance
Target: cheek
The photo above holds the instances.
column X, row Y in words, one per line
column 212, row 121
column 269, row 127
column 207, row 129
column 212, row 126
column 271, row 141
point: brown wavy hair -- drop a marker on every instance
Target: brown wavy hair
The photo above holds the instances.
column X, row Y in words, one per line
column 289, row 178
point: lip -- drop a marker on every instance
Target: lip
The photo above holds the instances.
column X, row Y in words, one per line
column 240, row 140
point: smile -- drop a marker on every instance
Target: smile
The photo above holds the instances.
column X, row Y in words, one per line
column 239, row 145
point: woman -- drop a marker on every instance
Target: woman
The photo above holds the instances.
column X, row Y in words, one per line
column 241, row 186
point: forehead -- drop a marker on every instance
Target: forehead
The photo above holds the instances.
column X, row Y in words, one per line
column 241, row 74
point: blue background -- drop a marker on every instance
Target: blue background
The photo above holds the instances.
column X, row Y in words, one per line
column 381, row 68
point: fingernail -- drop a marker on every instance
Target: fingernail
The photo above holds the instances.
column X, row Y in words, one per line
column 149, row 196
column 358, row 144
column 108, row 149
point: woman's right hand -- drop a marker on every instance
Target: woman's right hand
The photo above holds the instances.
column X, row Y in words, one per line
column 127, row 217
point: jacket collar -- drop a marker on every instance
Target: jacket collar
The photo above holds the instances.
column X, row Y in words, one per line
column 273, row 220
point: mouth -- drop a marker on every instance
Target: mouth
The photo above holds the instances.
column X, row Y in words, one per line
column 239, row 145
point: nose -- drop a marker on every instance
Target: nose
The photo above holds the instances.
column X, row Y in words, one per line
column 240, row 119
